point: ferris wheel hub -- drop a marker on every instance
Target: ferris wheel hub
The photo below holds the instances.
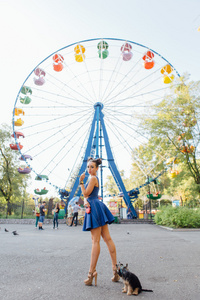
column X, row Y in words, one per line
column 98, row 104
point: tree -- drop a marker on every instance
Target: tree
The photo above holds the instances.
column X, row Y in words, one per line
column 111, row 186
column 173, row 132
column 12, row 184
column 176, row 125
column 182, row 187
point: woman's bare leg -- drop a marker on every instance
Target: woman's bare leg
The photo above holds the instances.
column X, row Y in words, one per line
column 112, row 250
column 96, row 236
column 110, row 244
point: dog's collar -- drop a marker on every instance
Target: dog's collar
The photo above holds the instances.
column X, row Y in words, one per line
column 121, row 268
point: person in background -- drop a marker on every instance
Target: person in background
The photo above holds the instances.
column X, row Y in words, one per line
column 62, row 204
column 42, row 215
column 70, row 214
column 76, row 208
column 37, row 214
column 55, row 217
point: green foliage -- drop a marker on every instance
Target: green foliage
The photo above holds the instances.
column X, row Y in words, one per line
column 183, row 187
column 111, row 186
column 12, row 184
column 164, row 202
column 174, row 123
column 178, row 217
column 138, row 204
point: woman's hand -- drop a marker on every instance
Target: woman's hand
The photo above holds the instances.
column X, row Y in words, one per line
column 82, row 176
column 86, row 203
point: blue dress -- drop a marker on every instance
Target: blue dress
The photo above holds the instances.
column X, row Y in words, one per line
column 99, row 215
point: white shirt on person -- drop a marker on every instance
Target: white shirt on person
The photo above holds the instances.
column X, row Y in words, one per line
column 76, row 208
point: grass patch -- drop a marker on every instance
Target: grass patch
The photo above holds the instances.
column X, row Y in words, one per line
column 178, row 217
column 13, row 216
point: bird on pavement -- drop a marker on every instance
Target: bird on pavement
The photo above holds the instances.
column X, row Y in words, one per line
column 15, row 232
column 6, row 230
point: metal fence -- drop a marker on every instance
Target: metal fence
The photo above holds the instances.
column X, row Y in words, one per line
column 22, row 210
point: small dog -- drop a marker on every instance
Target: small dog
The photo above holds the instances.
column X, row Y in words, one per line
column 132, row 285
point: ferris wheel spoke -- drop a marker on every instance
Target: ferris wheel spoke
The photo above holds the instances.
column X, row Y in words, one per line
column 130, row 135
column 64, row 155
column 71, row 133
column 138, row 116
column 138, row 104
column 137, row 95
column 101, row 80
column 62, row 126
column 131, row 88
column 74, row 91
column 123, row 112
column 130, row 139
column 48, row 108
column 75, row 161
column 129, row 127
column 111, row 79
column 128, row 148
column 54, row 120
column 120, row 138
column 149, row 169
column 69, row 98
column 53, row 162
column 74, row 112
column 112, row 89
column 63, row 96
column 81, row 84
column 134, row 114
column 91, row 83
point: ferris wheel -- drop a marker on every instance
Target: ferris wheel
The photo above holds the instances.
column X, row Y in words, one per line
column 87, row 99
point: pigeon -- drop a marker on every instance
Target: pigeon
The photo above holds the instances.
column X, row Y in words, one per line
column 6, row 230
column 15, row 233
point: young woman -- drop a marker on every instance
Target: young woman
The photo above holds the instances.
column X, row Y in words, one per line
column 70, row 215
column 96, row 221
column 37, row 215
column 55, row 217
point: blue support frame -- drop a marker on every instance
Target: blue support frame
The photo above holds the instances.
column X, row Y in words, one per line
column 84, row 164
column 93, row 141
column 114, row 170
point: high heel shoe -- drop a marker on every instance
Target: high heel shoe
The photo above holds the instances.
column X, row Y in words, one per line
column 116, row 276
column 89, row 280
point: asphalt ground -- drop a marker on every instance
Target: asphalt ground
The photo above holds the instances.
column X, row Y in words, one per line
column 52, row 264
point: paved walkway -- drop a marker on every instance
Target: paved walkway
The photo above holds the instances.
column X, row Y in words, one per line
column 52, row 264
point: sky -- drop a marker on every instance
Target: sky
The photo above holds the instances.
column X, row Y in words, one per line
column 32, row 30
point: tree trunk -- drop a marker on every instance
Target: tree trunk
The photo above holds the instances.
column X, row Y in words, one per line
column 50, row 206
column 181, row 200
column 9, row 208
column 22, row 208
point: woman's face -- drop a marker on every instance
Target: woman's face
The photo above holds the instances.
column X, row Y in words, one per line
column 92, row 168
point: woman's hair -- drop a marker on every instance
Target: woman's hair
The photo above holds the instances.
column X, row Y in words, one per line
column 57, row 205
column 97, row 161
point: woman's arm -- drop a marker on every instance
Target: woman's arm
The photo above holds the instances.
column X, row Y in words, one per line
column 86, row 192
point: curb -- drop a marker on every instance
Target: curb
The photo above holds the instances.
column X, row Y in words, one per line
column 28, row 221
column 179, row 229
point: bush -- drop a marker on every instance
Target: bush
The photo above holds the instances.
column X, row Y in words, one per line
column 178, row 217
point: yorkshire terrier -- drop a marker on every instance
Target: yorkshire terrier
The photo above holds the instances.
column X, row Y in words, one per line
column 132, row 285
